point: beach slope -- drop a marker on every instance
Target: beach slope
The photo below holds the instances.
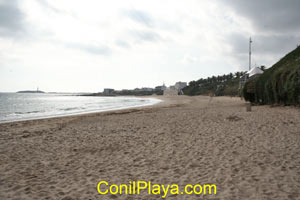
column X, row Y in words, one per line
column 184, row 140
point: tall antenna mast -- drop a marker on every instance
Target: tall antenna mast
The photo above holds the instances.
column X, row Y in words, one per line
column 250, row 41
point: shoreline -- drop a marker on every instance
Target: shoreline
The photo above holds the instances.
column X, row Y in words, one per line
column 184, row 140
column 90, row 112
column 166, row 101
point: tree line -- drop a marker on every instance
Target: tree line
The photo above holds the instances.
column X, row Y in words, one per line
column 227, row 84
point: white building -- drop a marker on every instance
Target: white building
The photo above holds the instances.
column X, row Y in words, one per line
column 180, row 85
column 254, row 71
column 146, row 89
column 249, row 75
column 160, row 88
column 108, row 91
column 175, row 89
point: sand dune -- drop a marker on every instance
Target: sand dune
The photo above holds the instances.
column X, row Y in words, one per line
column 184, row 140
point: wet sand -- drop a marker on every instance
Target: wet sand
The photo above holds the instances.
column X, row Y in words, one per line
column 184, row 140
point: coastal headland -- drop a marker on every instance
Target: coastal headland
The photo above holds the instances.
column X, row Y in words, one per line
column 183, row 141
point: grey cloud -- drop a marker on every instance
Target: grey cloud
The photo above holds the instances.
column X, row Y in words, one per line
column 277, row 44
column 276, row 30
column 170, row 26
column 265, row 48
column 122, row 43
column 269, row 15
column 149, row 36
column 146, row 19
column 11, row 19
column 45, row 4
column 139, row 16
column 91, row 49
column 263, row 44
column 238, row 42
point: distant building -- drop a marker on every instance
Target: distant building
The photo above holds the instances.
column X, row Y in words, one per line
column 180, row 85
column 175, row 89
column 108, row 91
column 160, row 88
column 172, row 87
column 145, row 89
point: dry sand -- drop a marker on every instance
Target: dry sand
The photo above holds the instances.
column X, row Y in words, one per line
column 185, row 140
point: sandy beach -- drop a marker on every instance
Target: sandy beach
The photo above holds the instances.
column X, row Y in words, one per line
column 184, row 140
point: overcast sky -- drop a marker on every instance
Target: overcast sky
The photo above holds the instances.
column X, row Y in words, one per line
column 85, row 46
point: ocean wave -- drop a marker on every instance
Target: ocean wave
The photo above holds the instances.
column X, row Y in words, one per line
column 29, row 112
column 69, row 109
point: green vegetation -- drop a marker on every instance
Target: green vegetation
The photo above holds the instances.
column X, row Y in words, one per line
column 128, row 93
column 139, row 93
column 279, row 84
column 226, row 85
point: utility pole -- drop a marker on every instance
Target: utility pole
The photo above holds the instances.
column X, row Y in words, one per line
column 250, row 41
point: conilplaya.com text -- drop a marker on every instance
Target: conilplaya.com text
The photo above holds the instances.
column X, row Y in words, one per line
column 138, row 187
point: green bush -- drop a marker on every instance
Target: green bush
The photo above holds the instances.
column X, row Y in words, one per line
column 279, row 84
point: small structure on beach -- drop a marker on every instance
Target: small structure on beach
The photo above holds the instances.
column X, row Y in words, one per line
column 254, row 72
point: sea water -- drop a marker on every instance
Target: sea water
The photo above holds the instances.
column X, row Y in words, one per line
column 25, row 106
